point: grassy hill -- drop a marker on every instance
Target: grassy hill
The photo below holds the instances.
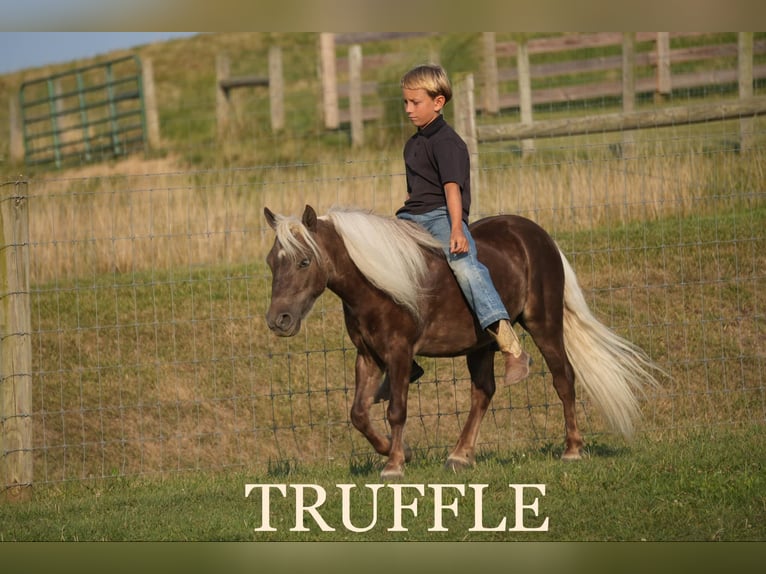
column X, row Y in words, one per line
column 185, row 74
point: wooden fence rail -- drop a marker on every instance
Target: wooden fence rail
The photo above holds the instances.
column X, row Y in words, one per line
column 643, row 119
column 659, row 80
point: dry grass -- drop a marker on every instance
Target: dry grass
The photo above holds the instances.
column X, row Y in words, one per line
column 135, row 216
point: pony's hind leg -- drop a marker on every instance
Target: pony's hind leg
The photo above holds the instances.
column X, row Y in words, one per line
column 563, row 382
column 481, row 366
column 548, row 335
column 555, row 356
column 367, row 377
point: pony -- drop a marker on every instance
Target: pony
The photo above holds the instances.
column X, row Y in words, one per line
column 400, row 299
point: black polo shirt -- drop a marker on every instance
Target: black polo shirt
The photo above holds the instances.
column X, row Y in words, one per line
column 436, row 155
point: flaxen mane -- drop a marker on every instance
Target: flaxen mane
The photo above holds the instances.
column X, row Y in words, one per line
column 388, row 251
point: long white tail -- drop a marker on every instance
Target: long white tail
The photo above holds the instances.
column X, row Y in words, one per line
column 611, row 369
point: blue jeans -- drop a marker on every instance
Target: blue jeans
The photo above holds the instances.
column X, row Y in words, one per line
column 471, row 274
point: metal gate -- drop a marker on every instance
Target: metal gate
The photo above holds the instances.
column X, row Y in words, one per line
column 84, row 115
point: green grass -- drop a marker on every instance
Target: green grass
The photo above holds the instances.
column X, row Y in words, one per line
column 697, row 486
column 176, row 370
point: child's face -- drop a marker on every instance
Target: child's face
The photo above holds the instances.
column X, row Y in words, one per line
column 421, row 108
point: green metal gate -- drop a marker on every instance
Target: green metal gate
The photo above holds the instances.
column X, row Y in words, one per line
column 84, row 115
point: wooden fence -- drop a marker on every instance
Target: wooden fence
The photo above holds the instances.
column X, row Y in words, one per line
column 333, row 68
column 629, row 119
column 637, row 63
column 512, row 75
column 225, row 83
column 652, row 63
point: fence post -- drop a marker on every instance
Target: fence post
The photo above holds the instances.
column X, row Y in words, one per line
column 434, row 56
column 222, row 103
column 355, row 94
column 17, row 137
column 329, row 80
column 664, row 86
column 628, row 88
column 15, row 348
column 525, row 92
column 491, row 102
column 465, row 125
column 276, row 88
column 745, row 80
column 150, row 105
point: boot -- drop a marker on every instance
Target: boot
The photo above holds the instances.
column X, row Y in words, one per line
column 516, row 359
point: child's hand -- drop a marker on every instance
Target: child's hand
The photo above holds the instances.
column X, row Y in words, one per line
column 458, row 242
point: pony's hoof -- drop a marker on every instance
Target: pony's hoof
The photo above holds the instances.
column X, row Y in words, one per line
column 571, row 456
column 392, row 474
column 456, row 464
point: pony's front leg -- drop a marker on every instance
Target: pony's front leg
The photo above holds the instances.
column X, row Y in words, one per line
column 367, row 377
column 399, row 372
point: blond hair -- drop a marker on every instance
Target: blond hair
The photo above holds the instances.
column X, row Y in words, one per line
column 430, row 77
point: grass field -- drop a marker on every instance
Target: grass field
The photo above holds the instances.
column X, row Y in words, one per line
column 175, row 369
column 700, row 485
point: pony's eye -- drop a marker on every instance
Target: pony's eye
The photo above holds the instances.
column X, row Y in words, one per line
column 304, row 263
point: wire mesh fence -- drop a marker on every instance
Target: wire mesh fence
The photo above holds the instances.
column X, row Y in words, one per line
column 148, row 288
column 150, row 352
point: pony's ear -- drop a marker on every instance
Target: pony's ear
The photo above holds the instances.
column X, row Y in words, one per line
column 271, row 219
column 310, row 218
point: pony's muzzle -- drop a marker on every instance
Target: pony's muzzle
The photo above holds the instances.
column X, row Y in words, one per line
column 283, row 324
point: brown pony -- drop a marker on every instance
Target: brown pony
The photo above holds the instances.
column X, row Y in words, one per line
column 400, row 299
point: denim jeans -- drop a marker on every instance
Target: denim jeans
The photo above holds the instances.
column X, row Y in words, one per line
column 471, row 274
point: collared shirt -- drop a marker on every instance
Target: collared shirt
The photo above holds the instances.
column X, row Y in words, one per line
column 434, row 156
